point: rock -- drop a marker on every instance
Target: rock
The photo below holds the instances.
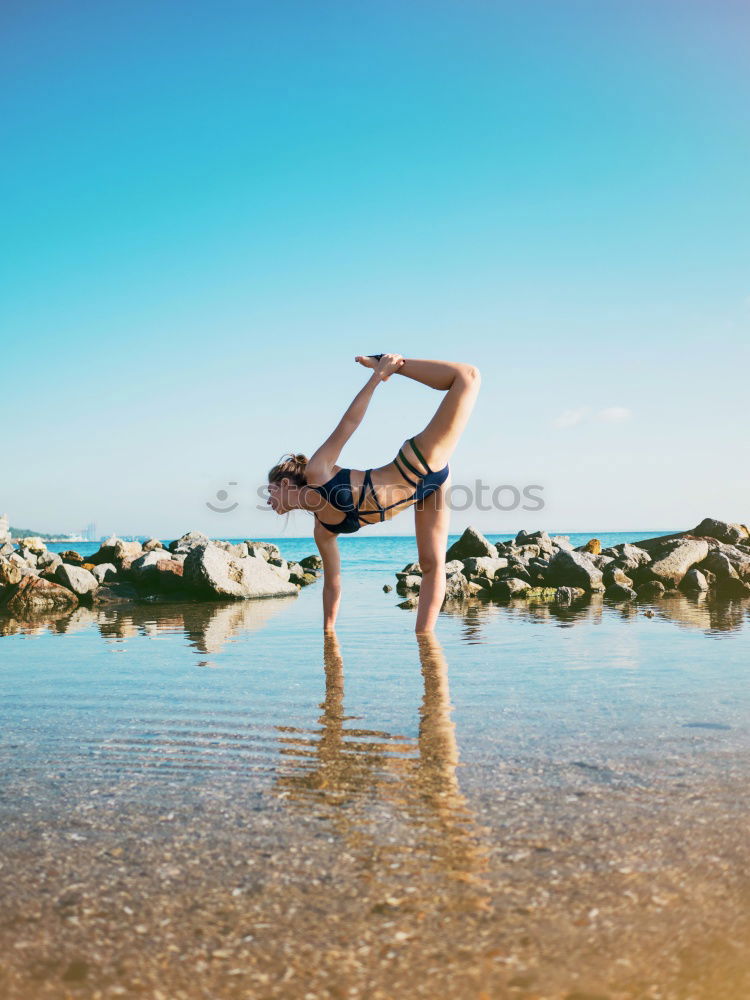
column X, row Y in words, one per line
column 409, row 603
column 566, row 595
column 694, row 581
column 104, row 572
column 593, row 545
column 634, row 554
column 456, row 588
column 125, row 552
column 259, row 548
column 671, row 564
column 106, row 552
column 34, row 595
column 151, row 544
column 451, row 567
column 311, row 562
column 115, row 592
column 167, row 574
column 145, row 564
column 10, row 573
column 156, row 570
column 189, row 541
column 619, row 592
column 408, row 582
column 76, row 578
column 411, row 568
column 651, row 590
column 612, row 574
column 541, row 594
column 33, row 544
column 6, row 548
column 72, row 557
column 387, row 588
column 214, row 573
column 280, row 568
column 539, row 538
column 240, row 550
column 733, row 587
column 48, row 560
column 573, row 569
column 505, row 590
column 562, row 542
column 724, row 531
column 483, row 566
column 720, row 565
column 471, row 543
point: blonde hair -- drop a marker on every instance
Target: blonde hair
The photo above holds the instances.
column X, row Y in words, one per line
column 292, row 467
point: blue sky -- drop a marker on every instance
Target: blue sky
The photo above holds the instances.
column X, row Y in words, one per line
column 209, row 209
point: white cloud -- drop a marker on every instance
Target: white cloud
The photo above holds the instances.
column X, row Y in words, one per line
column 614, row 414
column 569, row 418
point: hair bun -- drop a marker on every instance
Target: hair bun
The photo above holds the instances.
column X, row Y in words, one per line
column 302, row 459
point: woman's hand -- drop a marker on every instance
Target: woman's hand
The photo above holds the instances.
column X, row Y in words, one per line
column 387, row 366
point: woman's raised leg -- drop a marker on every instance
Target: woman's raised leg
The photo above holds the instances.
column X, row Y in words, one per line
column 440, row 437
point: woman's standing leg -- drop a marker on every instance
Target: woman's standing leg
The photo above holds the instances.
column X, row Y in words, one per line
column 431, row 519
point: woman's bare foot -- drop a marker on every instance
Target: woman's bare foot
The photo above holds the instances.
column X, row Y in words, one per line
column 368, row 360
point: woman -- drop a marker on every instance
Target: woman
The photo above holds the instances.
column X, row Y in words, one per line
column 344, row 500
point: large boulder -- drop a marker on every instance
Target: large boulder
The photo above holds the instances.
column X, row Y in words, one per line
column 484, row 566
column 151, row 544
column 311, row 562
column 720, row 565
column 457, row 588
column 619, row 592
column 265, row 550
column 471, row 543
column 694, row 582
column 541, row 539
column 573, row 569
column 671, row 562
column 33, row 544
column 35, row 596
column 126, row 552
column 214, row 573
column 105, row 572
column 505, row 590
column 189, row 541
column 76, row 578
column 724, row 531
column 10, row 573
column 106, row 552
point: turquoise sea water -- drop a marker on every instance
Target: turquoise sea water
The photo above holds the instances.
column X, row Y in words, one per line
column 534, row 766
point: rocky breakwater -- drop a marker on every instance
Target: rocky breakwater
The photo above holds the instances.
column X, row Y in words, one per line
column 712, row 558
column 35, row 581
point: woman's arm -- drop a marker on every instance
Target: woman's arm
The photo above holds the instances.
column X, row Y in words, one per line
column 329, row 551
column 325, row 457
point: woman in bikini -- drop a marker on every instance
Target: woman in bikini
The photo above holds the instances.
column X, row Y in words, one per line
column 345, row 500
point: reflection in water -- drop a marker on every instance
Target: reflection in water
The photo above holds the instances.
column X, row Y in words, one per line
column 708, row 613
column 356, row 777
column 208, row 626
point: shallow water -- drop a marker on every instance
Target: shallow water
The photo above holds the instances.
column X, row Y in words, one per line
column 213, row 801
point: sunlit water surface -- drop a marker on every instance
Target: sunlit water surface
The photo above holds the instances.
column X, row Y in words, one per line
column 211, row 800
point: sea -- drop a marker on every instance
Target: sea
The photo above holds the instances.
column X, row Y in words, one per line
column 217, row 800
